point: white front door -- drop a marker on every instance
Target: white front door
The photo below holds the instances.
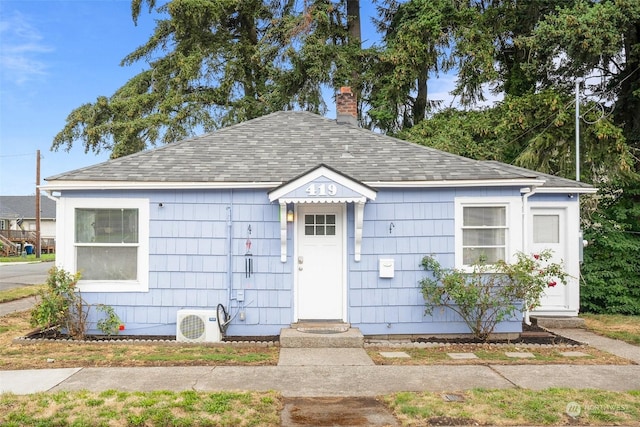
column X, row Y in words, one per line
column 320, row 293
column 549, row 231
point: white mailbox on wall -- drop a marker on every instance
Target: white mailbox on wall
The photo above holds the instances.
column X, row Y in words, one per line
column 386, row 268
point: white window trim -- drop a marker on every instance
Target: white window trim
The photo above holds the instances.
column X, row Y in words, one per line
column 68, row 207
column 513, row 232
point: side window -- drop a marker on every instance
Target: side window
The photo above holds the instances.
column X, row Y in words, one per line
column 484, row 234
column 107, row 242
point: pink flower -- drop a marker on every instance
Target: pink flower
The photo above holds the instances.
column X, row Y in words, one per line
column 552, row 283
column 536, row 256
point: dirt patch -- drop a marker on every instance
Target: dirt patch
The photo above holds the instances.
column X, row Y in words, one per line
column 450, row 421
column 336, row 411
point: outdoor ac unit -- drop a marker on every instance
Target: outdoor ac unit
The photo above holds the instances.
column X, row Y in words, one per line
column 197, row 326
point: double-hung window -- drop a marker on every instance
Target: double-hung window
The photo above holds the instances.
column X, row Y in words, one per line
column 484, row 234
column 485, row 230
column 107, row 243
column 110, row 243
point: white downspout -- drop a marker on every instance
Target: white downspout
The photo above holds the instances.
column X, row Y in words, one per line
column 526, row 193
column 60, row 256
column 229, row 251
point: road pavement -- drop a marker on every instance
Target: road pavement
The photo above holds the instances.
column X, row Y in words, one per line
column 18, row 274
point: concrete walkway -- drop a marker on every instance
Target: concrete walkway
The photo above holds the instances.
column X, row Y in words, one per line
column 617, row 347
column 22, row 304
column 333, row 372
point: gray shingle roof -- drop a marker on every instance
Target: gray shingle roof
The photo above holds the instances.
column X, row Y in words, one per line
column 280, row 146
column 25, row 207
column 550, row 180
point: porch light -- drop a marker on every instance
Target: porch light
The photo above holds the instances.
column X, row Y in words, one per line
column 290, row 215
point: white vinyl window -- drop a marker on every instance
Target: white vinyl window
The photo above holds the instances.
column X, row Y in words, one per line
column 107, row 243
column 484, row 234
column 109, row 247
column 485, row 231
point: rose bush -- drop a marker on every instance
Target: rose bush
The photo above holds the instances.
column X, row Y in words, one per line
column 490, row 293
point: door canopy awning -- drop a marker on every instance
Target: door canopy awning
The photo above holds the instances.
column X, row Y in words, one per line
column 322, row 185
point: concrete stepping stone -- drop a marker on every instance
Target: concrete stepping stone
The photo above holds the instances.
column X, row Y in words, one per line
column 395, row 355
column 519, row 355
column 462, row 356
column 574, row 354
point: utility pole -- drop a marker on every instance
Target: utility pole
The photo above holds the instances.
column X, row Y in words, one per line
column 38, row 240
column 578, row 81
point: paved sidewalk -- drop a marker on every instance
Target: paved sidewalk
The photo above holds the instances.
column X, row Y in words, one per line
column 22, row 304
column 307, row 381
column 617, row 347
column 330, row 372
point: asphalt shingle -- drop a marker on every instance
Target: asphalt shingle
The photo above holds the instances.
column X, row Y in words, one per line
column 280, row 146
column 25, row 207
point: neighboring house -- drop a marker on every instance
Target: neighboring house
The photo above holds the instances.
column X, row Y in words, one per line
column 293, row 216
column 18, row 221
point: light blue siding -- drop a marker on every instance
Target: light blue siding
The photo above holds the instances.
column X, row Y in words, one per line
column 405, row 225
column 192, row 243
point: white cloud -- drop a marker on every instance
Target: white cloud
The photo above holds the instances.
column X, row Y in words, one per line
column 20, row 50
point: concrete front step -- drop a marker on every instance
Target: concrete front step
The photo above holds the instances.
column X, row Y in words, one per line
column 307, row 337
column 558, row 322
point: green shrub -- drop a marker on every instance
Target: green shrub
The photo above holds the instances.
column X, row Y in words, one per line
column 110, row 323
column 611, row 268
column 490, row 293
column 62, row 308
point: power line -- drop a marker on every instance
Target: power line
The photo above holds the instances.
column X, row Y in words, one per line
column 16, row 155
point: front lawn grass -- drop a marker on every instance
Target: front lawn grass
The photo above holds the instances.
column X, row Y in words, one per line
column 510, row 407
column 617, row 326
column 29, row 258
column 65, row 354
column 159, row 408
column 494, row 355
column 19, row 293
column 506, row 407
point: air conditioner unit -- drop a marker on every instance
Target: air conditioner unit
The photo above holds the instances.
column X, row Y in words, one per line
column 197, row 326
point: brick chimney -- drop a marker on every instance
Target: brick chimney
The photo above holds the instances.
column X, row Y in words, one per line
column 346, row 107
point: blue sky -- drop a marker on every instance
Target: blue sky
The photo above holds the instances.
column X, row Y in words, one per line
column 56, row 55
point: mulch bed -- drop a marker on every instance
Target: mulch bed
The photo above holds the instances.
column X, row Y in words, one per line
column 531, row 334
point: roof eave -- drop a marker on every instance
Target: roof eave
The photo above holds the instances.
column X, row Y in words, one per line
column 572, row 190
column 164, row 185
column 152, row 185
column 456, row 183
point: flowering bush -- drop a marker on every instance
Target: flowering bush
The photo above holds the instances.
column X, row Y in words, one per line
column 490, row 293
column 62, row 308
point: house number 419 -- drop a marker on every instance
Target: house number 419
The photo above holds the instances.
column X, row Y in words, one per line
column 322, row 190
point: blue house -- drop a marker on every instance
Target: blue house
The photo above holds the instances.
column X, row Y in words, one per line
column 292, row 217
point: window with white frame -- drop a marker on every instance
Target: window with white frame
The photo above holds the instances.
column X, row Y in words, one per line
column 110, row 243
column 106, row 243
column 484, row 234
column 486, row 231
